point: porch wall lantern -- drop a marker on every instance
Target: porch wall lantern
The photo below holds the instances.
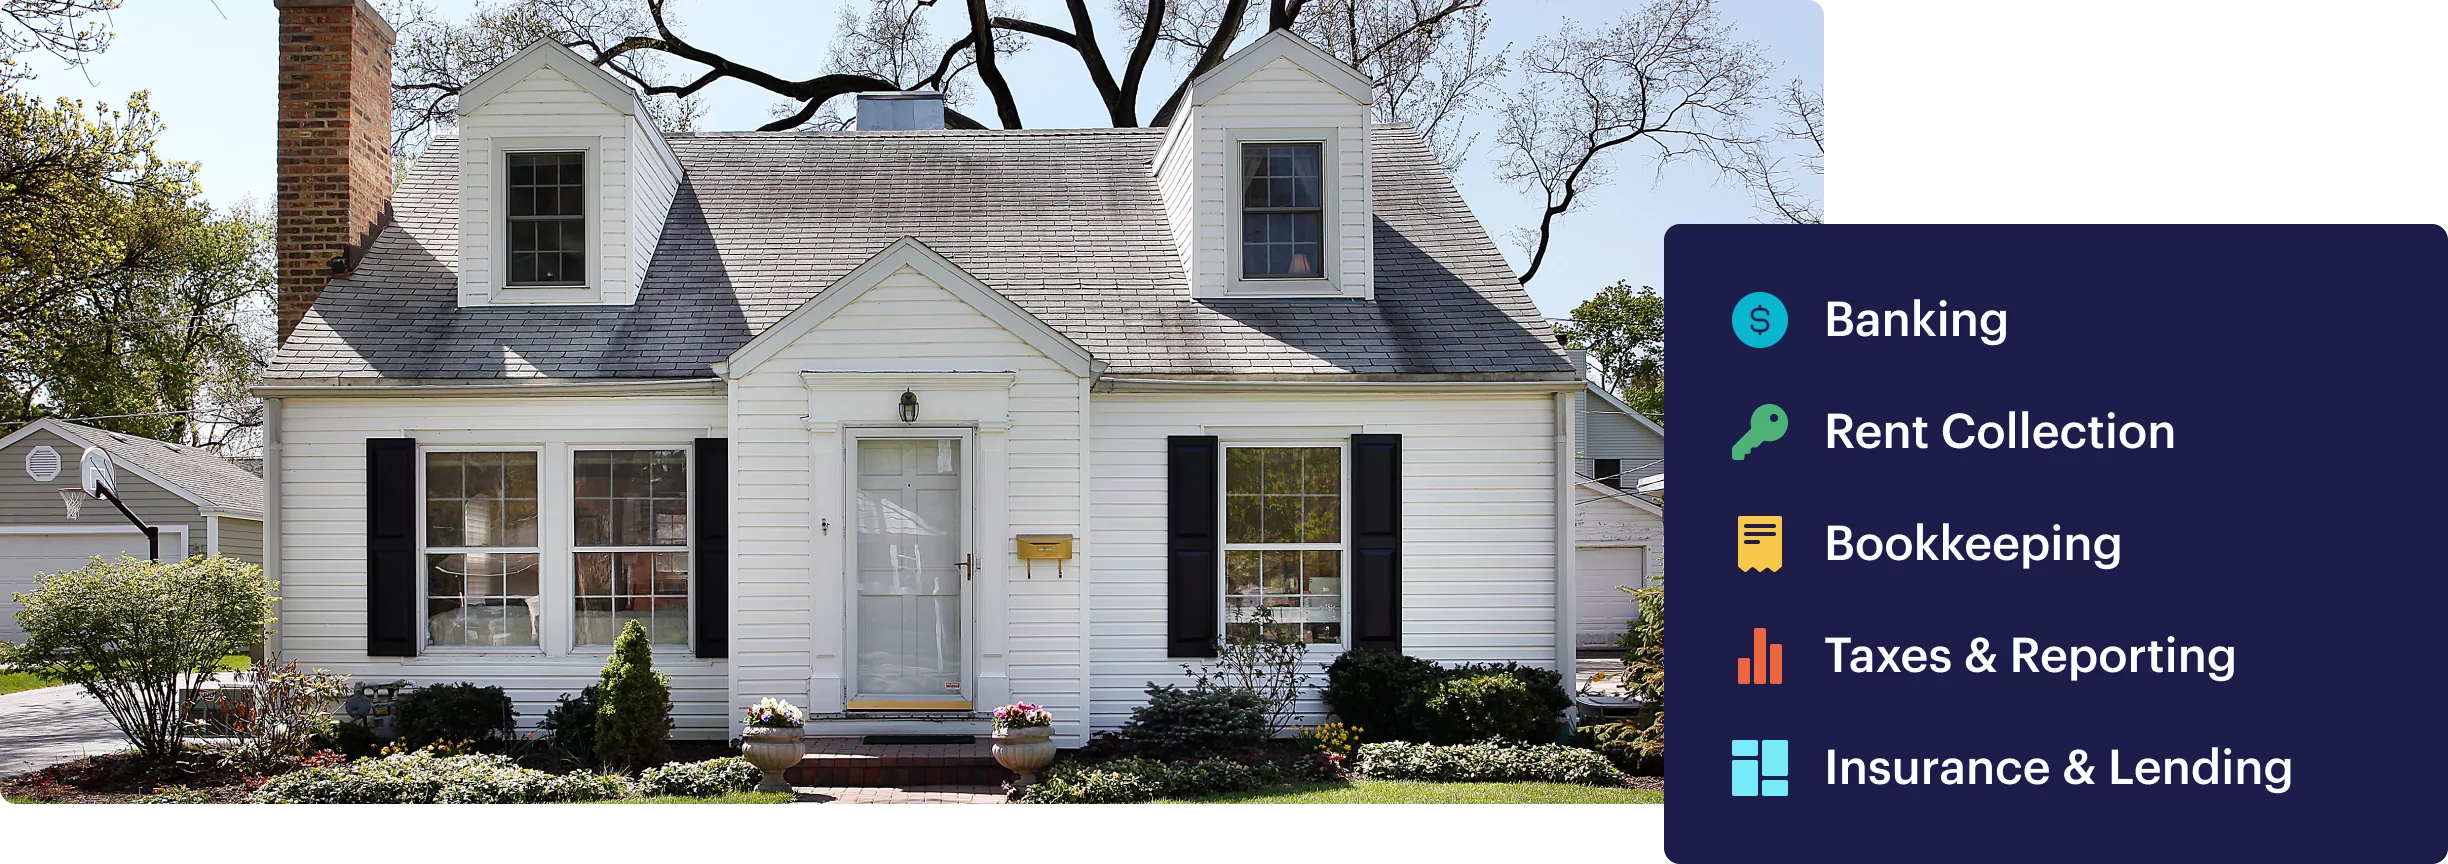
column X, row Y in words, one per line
column 909, row 407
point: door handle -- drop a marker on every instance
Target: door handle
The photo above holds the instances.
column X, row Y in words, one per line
column 968, row 565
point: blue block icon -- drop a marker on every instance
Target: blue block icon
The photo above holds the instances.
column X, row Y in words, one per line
column 1759, row 767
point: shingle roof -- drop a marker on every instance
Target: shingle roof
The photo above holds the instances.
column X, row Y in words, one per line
column 1067, row 224
column 199, row 472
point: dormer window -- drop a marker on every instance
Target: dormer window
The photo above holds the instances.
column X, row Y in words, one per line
column 547, row 219
column 1283, row 214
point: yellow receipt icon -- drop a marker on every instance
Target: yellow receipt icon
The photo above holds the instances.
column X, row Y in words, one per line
column 1763, row 543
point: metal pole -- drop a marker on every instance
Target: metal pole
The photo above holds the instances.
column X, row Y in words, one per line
column 152, row 534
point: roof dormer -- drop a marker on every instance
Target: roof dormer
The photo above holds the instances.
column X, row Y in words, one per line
column 1265, row 176
column 564, row 184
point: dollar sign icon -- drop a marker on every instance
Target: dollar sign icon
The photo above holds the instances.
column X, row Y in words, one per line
column 1759, row 319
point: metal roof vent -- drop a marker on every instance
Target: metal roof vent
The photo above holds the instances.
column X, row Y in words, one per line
column 900, row 111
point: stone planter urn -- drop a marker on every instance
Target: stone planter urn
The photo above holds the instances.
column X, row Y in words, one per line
column 773, row 750
column 1025, row 750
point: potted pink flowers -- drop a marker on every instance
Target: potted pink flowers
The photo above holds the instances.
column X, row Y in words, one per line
column 1024, row 740
column 771, row 740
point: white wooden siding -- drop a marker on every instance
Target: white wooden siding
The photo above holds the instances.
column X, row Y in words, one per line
column 1280, row 97
column 632, row 182
column 323, row 541
column 1479, row 524
column 788, row 572
column 1174, row 183
column 1606, row 433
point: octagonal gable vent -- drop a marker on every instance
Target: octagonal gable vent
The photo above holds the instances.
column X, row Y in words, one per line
column 42, row 463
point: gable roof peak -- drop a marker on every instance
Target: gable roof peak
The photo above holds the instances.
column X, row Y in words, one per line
column 548, row 54
column 1283, row 45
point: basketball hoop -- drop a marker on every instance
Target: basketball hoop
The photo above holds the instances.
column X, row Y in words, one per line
column 75, row 499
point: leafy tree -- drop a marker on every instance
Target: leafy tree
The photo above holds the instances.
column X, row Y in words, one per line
column 126, row 293
column 633, row 723
column 1624, row 330
column 1644, row 646
column 129, row 631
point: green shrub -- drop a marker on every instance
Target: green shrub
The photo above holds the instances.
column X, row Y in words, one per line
column 424, row 778
column 1487, row 762
column 453, row 713
column 1636, row 746
column 351, row 739
column 1644, row 644
column 1122, row 781
column 1392, row 697
column 633, row 724
column 1217, row 776
column 1132, row 780
column 1198, row 721
column 177, row 795
column 708, row 779
column 570, row 725
column 126, row 631
column 1480, row 707
column 1378, row 692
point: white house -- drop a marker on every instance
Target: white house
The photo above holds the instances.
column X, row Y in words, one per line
column 799, row 402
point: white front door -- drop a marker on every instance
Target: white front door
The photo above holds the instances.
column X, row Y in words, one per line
column 909, row 615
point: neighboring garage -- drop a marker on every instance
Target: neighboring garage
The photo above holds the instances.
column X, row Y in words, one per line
column 1622, row 542
column 203, row 504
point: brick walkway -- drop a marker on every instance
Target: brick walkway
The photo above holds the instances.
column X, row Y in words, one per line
column 912, row 795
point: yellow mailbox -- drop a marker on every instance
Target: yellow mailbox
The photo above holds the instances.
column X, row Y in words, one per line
column 1044, row 547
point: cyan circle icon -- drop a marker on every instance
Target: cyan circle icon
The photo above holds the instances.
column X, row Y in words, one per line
column 1759, row 319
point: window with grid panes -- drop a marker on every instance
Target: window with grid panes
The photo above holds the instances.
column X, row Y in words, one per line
column 1283, row 541
column 1283, row 216
column 547, row 218
column 482, row 586
column 631, row 555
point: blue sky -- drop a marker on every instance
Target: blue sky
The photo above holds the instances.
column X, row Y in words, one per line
column 209, row 65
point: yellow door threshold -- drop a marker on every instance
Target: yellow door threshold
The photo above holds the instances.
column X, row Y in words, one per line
column 909, row 705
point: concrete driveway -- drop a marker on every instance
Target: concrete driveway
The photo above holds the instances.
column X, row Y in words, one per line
column 40, row 728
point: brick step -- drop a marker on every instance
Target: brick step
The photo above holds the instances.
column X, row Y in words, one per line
column 847, row 762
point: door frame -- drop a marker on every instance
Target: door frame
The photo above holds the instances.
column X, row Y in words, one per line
column 852, row 437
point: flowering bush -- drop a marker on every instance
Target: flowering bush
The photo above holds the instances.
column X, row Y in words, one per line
column 1487, row 762
column 773, row 713
column 425, row 778
column 1332, row 738
column 707, row 779
column 1022, row 715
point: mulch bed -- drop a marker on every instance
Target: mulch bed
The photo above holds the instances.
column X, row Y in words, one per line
column 120, row 778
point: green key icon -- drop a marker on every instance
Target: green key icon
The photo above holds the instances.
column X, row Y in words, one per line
column 1767, row 424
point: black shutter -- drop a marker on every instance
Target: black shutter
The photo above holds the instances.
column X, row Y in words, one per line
column 713, row 546
column 1192, row 588
column 391, row 571
column 1376, row 508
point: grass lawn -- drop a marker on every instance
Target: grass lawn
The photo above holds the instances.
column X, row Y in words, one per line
column 14, row 682
column 732, row 798
column 1421, row 792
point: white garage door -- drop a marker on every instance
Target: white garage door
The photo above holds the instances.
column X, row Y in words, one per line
column 1603, row 609
column 22, row 555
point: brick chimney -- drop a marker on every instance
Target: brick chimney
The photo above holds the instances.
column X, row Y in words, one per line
column 334, row 182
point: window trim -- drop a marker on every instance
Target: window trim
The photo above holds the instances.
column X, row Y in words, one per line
column 499, row 229
column 1343, row 547
column 556, row 533
column 1330, row 281
column 570, row 548
column 541, row 549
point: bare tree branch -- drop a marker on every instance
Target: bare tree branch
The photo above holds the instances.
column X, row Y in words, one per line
column 1670, row 75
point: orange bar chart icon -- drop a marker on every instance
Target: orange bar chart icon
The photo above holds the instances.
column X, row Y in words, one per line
column 1766, row 665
